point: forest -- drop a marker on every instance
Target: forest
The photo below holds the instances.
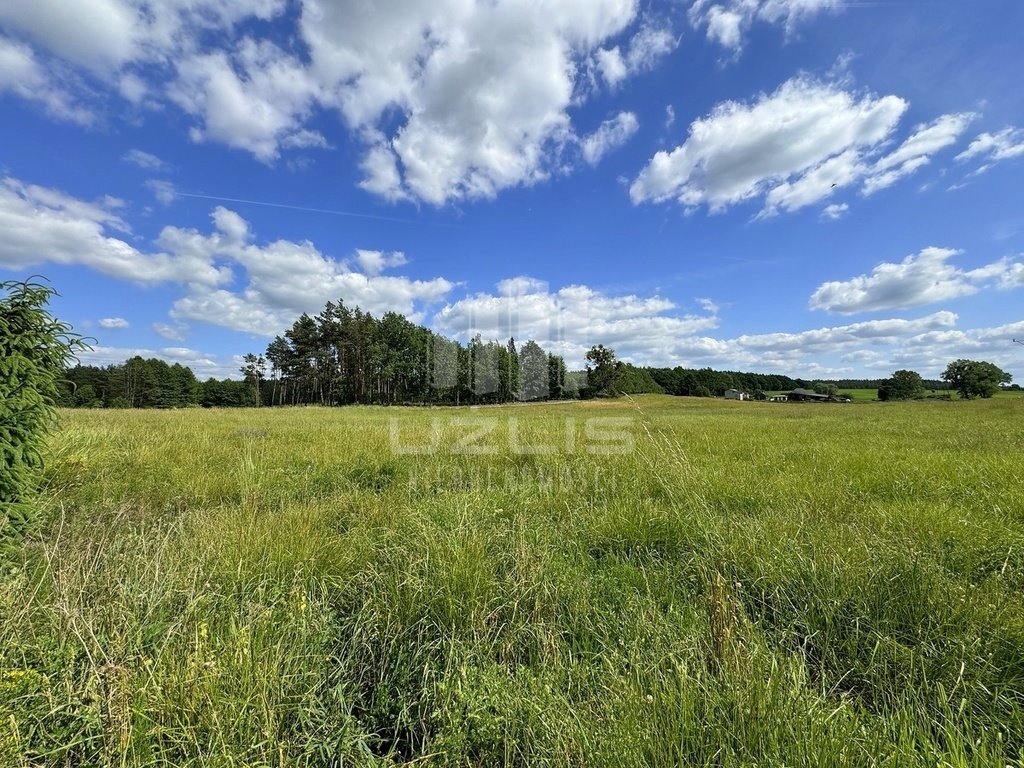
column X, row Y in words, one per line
column 339, row 357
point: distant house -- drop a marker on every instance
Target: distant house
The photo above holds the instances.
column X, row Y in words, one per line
column 735, row 394
column 807, row 395
column 778, row 398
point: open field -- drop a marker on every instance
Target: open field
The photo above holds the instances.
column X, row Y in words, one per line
column 699, row 582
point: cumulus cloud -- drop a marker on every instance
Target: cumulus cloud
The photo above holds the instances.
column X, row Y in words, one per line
column 879, row 347
column 38, row 224
column 795, row 147
column 651, row 330
column 727, row 22
column 821, row 339
column 106, row 36
column 375, row 262
column 922, row 278
column 278, row 280
column 482, row 89
column 573, row 318
column 610, row 135
column 645, row 49
column 282, row 279
column 255, row 99
column 22, row 74
column 792, row 145
column 113, row 323
column 452, row 100
column 835, row 211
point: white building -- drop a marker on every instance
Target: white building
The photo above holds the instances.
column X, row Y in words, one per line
column 735, row 394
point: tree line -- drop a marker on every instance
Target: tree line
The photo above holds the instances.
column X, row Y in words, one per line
column 345, row 356
column 341, row 356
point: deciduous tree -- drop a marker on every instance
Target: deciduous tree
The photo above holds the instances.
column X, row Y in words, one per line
column 975, row 378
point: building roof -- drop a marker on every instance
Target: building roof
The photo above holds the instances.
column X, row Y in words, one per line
column 808, row 393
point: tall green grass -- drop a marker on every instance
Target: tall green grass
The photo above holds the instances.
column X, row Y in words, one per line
column 751, row 584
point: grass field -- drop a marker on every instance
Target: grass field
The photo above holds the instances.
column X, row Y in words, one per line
column 669, row 581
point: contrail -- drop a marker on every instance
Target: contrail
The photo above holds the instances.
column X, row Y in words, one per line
column 304, row 208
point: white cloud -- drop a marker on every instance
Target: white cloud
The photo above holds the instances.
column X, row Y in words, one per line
column 106, row 36
column 1012, row 276
column 162, row 190
column 99, row 35
column 994, row 147
column 452, row 100
column 651, row 331
column 521, row 285
column 917, row 150
column 570, row 320
column 231, row 280
column 727, row 21
column 815, row 184
column 375, row 262
column 819, row 340
column 792, row 146
column 40, row 225
column 133, row 88
column 174, row 332
column 611, row 65
column 650, row 43
column 835, row 211
column 610, row 135
column 922, row 278
column 144, row 160
column 480, row 90
column 113, row 323
column 22, row 74
column 282, row 279
column 725, row 27
column 255, row 100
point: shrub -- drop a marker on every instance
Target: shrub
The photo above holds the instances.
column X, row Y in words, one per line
column 34, row 350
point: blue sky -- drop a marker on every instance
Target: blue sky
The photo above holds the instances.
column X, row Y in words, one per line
column 813, row 187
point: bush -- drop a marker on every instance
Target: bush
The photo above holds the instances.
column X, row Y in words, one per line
column 34, row 351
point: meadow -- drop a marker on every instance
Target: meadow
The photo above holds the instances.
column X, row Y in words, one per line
column 651, row 581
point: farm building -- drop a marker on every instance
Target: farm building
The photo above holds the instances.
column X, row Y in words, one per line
column 807, row 395
column 735, row 394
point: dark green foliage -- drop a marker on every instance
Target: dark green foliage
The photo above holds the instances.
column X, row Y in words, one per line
column 34, row 351
column 534, row 377
column 904, row 385
column 340, row 357
column 825, row 388
column 136, row 383
column 347, row 356
column 693, row 382
column 697, row 382
column 602, row 368
column 630, row 380
column 975, row 378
